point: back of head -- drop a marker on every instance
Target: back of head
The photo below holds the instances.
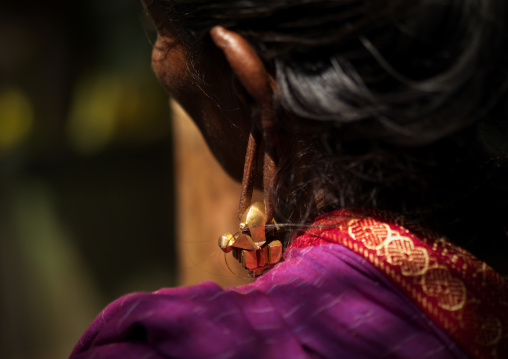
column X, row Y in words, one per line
column 391, row 104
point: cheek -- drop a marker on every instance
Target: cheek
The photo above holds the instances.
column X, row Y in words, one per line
column 223, row 121
column 169, row 64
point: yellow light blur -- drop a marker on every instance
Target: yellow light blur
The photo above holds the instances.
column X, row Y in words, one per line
column 16, row 118
column 114, row 107
column 94, row 113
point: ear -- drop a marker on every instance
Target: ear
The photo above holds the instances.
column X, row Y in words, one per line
column 245, row 63
column 251, row 72
column 259, row 84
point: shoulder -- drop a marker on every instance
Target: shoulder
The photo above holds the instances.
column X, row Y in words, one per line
column 325, row 301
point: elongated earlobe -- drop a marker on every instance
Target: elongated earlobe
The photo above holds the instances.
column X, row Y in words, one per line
column 252, row 74
column 249, row 170
column 244, row 62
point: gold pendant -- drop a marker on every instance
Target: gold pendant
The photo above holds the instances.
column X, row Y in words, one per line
column 253, row 246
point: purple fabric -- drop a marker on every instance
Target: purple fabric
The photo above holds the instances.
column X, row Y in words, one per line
column 321, row 302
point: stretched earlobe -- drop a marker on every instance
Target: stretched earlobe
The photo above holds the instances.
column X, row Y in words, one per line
column 249, row 170
column 252, row 74
column 244, row 62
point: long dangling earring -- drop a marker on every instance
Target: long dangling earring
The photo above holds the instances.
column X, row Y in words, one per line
column 255, row 246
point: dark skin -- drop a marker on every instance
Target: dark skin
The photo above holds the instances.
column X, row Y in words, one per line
column 236, row 82
column 233, row 99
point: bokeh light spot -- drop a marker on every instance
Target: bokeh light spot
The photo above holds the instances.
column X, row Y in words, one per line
column 16, row 118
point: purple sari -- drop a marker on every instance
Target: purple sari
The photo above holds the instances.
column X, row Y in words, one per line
column 321, row 302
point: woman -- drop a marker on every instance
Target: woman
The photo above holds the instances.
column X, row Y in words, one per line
column 381, row 127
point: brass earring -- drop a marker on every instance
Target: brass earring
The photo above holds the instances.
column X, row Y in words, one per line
column 255, row 247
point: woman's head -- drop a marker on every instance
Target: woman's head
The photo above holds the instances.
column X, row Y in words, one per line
column 380, row 103
column 417, row 70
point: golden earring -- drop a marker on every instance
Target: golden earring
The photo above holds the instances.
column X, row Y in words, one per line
column 254, row 246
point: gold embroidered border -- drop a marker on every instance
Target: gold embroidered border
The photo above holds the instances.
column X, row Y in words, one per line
column 463, row 295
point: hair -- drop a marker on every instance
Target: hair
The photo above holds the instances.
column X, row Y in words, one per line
column 393, row 104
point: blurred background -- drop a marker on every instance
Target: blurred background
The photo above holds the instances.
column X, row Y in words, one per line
column 89, row 202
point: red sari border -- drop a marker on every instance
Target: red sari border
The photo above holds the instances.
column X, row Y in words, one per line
column 461, row 294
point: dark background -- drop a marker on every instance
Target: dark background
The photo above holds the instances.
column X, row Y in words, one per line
column 86, row 182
